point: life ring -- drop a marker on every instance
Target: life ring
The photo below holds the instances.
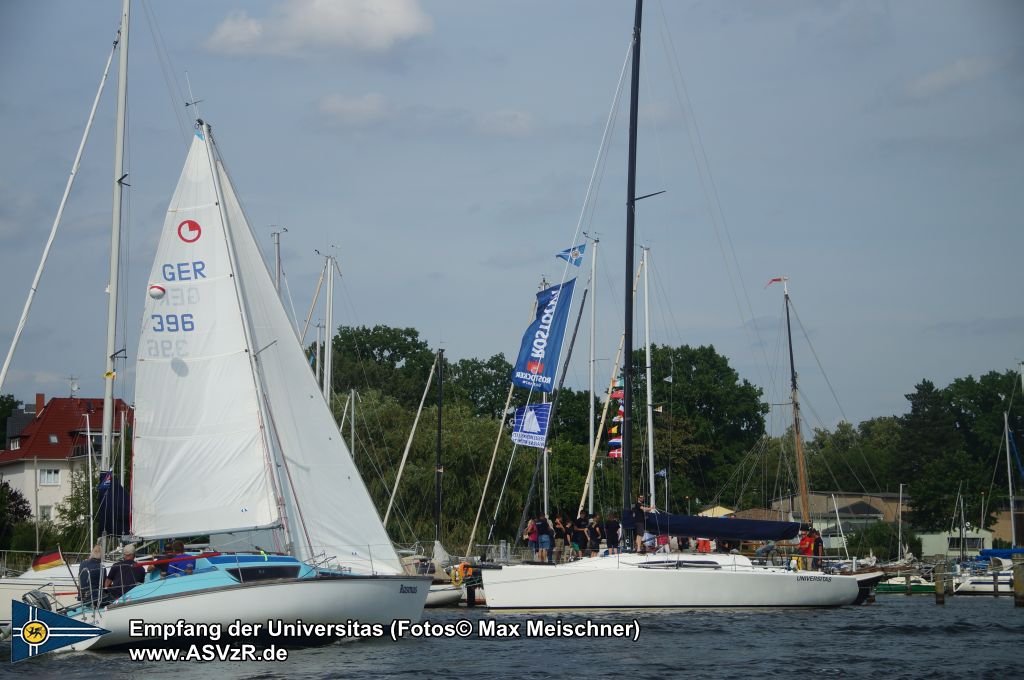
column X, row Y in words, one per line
column 461, row 573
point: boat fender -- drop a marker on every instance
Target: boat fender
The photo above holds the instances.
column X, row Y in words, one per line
column 461, row 573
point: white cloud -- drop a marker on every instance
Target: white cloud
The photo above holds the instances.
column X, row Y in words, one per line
column 514, row 124
column 361, row 111
column 960, row 72
column 300, row 27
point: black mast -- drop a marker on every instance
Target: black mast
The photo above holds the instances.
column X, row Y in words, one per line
column 438, row 470
column 627, row 342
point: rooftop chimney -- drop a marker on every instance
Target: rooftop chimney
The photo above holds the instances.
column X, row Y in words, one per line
column 40, row 402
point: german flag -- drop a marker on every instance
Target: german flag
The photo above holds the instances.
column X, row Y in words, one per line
column 48, row 560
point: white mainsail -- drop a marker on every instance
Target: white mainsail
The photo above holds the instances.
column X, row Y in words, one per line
column 200, row 462
column 336, row 520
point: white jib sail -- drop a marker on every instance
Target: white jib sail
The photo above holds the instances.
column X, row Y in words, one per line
column 334, row 521
column 200, row 459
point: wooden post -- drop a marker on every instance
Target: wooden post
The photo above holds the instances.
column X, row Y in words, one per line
column 1018, row 584
column 995, row 584
column 939, row 579
column 910, row 583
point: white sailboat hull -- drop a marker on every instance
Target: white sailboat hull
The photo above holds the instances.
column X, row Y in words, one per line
column 663, row 580
column 444, row 595
column 56, row 582
column 369, row 599
column 981, row 584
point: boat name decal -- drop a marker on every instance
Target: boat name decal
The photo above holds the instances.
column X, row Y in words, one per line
column 826, row 579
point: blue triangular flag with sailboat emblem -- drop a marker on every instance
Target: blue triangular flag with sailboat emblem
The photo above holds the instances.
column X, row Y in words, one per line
column 37, row 631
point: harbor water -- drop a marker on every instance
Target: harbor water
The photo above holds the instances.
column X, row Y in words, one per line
column 897, row 637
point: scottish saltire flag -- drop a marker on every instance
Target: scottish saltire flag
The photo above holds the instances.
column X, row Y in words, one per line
column 542, row 342
column 530, row 427
column 574, row 255
column 37, row 631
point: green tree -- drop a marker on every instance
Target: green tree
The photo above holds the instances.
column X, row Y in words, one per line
column 14, row 508
column 8, row 405
column 709, row 416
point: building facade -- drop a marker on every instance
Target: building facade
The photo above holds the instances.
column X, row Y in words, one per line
column 45, row 445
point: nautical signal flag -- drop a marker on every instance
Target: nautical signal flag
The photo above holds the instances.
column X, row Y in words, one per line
column 47, row 560
column 617, row 394
column 37, row 631
column 614, row 429
column 574, row 255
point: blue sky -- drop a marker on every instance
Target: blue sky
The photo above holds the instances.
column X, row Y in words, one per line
column 872, row 151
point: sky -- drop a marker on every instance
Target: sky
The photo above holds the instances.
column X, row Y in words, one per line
column 871, row 151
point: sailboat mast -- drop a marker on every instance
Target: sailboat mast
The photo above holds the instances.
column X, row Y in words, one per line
column 438, row 470
column 115, row 240
column 593, row 325
column 1009, row 481
column 798, row 442
column 328, row 335
column 650, row 403
column 627, row 342
column 276, row 464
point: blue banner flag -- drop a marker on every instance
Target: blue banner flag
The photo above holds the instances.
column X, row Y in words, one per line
column 542, row 342
column 36, row 631
column 531, row 425
column 574, row 255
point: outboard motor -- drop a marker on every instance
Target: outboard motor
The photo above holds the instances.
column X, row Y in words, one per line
column 40, row 600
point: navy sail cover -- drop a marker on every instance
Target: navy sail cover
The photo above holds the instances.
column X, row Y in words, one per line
column 720, row 527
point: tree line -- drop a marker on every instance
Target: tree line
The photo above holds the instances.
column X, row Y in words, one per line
column 710, row 435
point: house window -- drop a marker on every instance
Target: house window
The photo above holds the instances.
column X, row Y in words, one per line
column 49, row 477
column 53, row 439
column 15, row 444
column 970, row 543
column 45, row 512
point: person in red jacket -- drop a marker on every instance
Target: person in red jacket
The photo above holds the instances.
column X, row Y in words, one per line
column 806, row 548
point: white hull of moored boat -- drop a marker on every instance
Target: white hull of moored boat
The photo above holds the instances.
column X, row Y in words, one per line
column 363, row 599
column 444, row 595
column 56, row 582
column 981, row 584
column 663, row 580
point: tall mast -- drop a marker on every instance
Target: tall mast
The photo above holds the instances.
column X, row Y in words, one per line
column 627, row 342
column 115, row 241
column 798, row 442
column 1009, row 481
column 276, row 458
column 650, row 404
column 329, row 334
column 593, row 324
column 438, row 470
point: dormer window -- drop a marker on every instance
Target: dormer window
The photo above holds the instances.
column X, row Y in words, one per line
column 15, row 444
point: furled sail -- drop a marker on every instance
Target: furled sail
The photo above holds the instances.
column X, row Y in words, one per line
column 200, row 459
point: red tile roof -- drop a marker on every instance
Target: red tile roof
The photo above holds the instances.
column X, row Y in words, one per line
column 65, row 418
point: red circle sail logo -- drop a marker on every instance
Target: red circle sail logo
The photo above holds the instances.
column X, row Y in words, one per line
column 189, row 231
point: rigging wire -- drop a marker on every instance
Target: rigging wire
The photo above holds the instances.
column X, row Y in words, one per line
column 173, row 89
column 710, row 189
